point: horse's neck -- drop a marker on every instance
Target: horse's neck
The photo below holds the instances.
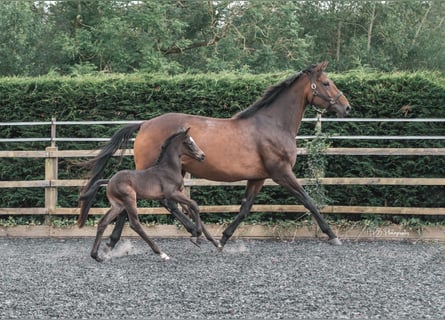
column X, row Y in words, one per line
column 288, row 109
column 171, row 159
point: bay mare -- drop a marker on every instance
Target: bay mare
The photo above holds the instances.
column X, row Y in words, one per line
column 164, row 181
column 255, row 144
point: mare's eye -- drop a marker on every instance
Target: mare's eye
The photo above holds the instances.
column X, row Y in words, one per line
column 326, row 83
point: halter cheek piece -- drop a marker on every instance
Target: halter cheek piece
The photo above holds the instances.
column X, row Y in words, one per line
column 315, row 92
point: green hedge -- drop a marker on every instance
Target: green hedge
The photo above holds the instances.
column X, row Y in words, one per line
column 142, row 96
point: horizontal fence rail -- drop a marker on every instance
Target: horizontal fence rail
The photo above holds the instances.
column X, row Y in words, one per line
column 55, row 123
column 51, row 155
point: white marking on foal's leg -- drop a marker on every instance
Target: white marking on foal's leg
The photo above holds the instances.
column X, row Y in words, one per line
column 164, row 256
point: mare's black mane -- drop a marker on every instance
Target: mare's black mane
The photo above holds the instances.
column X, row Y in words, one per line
column 270, row 95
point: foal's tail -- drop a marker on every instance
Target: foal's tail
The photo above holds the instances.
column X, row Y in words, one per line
column 97, row 166
column 86, row 199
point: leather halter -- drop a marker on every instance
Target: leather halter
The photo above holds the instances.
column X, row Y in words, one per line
column 317, row 93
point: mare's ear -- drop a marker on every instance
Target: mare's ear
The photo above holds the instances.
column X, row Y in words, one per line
column 319, row 68
column 187, row 130
column 323, row 65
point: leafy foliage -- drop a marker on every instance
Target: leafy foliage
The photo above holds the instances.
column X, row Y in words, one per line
column 170, row 36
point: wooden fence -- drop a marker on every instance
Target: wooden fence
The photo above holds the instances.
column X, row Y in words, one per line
column 51, row 183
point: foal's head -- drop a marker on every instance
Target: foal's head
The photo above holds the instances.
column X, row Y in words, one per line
column 190, row 148
column 182, row 144
column 324, row 92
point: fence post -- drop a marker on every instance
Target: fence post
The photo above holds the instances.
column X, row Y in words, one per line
column 187, row 189
column 318, row 133
column 51, row 173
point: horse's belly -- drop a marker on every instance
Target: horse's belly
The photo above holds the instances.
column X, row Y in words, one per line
column 224, row 169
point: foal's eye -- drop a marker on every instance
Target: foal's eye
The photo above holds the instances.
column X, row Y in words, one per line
column 326, row 83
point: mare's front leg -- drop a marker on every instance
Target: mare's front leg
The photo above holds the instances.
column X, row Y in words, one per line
column 252, row 189
column 290, row 182
column 103, row 223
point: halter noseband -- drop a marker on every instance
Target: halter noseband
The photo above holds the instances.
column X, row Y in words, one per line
column 315, row 92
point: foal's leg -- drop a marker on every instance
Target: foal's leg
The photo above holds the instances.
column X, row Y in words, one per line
column 290, row 182
column 117, row 231
column 103, row 223
column 193, row 207
column 172, row 207
column 135, row 224
column 252, row 189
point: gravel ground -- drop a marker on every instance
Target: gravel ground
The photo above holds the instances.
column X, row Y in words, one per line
column 56, row 278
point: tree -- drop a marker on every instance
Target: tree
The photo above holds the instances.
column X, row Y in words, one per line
column 174, row 36
column 115, row 36
column 25, row 46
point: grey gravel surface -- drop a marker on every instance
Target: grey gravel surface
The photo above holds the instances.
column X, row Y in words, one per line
column 253, row 279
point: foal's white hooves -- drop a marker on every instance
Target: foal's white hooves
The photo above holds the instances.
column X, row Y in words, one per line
column 335, row 242
column 164, row 256
column 219, row 246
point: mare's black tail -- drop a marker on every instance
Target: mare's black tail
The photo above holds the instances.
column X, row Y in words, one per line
column 97, row 164
column 86, row 199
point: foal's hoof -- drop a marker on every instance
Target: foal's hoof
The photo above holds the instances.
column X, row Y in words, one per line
column 164, row 256
column 335, row 242
column 97, row 258
column 196, row 241
column 219, row 246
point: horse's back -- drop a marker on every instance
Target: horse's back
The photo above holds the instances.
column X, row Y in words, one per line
column 153, row 133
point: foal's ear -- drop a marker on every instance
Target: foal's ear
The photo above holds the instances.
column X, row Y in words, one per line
column 187, row 130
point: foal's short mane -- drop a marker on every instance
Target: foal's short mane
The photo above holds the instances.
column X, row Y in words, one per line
column 165, row 145
column 270, row 95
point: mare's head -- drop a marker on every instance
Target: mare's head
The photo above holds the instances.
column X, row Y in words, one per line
column 189, row 146
column 323, row 91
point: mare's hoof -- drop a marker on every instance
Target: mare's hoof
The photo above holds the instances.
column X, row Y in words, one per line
column 335, row 242
column 164, row 256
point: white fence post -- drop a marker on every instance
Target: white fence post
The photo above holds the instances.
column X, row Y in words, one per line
column 51, row 174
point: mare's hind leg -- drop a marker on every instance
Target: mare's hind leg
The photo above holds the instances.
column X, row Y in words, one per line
column 135, row 224
column 117, row 231
column 103, row 223
column 290, row 182
column 252, row 189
